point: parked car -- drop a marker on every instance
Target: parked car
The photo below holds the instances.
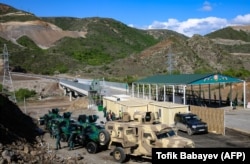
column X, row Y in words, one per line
column 190, row 123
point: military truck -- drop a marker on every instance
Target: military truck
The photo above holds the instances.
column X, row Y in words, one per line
column 93, row 136
column 138, row 137
column 90, row 134
column 52, row 119
column 44, row 120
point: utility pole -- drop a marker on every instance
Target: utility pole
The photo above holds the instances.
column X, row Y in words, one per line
column 7, row 80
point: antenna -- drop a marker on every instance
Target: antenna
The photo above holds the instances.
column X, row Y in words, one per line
column 7, row 80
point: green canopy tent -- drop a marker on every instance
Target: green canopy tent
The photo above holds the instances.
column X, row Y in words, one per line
column 181, row 82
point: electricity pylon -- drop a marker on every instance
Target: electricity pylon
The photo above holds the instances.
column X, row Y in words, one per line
column 7, row 80
column 169, row 62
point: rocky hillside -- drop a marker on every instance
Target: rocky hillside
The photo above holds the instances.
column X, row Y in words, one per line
column 22, row 141
column 13, row 120
column 18, row 133
column 102, row 47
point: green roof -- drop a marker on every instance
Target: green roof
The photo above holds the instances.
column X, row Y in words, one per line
column 188, row 79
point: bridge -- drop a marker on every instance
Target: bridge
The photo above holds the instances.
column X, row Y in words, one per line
column 83, row 87
column 74, row 88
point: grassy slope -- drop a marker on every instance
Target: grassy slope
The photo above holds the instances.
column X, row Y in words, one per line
column 107, row 40
column 232, row 34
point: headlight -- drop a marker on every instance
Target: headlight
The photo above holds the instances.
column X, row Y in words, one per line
column 194, row 126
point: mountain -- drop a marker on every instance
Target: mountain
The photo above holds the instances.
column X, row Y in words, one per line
column 103, row 47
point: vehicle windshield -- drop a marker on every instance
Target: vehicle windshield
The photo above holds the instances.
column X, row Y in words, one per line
column 194, row 117
column 165, row 134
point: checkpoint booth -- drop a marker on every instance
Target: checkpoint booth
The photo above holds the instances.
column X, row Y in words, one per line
column 164, row 111
column 167, row 110
column 119, row 104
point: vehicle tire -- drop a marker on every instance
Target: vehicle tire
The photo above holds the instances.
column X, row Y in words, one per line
column 119, row 155
column 189, row 131
column 103, row 137
column 91, row 147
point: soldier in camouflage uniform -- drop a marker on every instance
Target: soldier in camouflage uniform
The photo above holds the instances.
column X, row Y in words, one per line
column 58, row 136
column 75, row 130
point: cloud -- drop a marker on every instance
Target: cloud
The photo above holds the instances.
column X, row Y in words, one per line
column 242, row 19
column 131, row 25
column 191, row 26
column 206, row 6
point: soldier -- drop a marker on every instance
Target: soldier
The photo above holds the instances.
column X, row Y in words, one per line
column 74, row 132
column 113, row 117
column 109, row 116
column 59, row 134
column 120, row 114
column 104, row 112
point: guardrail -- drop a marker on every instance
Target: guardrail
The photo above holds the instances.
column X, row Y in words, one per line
column 75, row 86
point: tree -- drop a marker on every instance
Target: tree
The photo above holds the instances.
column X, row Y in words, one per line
column 24, row 93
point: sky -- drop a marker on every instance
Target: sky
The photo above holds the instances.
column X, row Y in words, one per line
column 187, row 17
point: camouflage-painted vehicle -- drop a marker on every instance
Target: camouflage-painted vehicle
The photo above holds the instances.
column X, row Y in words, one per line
column 92, row 136
column 48, row 120
column 66, row 122
column 44, row 120
column 137, row 138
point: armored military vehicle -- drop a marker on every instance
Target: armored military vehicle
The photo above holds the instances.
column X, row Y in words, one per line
column 90, row 134
column 44, row 120
column 52, row 119
column 138, row 137
column 93, row 136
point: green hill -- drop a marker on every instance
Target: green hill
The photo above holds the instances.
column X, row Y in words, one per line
column 230, row 33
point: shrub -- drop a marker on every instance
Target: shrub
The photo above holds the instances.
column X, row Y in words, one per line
column 24, row 93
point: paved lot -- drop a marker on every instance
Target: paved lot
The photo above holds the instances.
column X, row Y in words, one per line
column 232, row 139
column 238, row 119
